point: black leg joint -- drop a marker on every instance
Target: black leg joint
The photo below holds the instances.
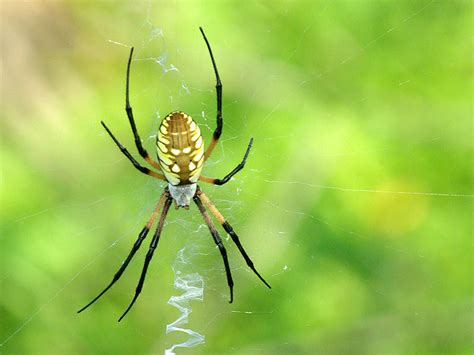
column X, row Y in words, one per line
column 218, row 131
column 228, row 228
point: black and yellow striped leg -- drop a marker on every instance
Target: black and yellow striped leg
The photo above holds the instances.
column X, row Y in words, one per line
column 232, row 173
column 135, row 163
column 128, row 109
column 149, row 255
column 228, row 228
column 218, row 131
column 135, row 248
column 218, row 241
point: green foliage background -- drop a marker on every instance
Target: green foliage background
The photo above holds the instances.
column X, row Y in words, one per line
column 356, row 203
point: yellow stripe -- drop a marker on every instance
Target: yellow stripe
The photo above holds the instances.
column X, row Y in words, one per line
column 162, row 147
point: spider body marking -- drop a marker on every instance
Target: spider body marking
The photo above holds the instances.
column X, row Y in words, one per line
column 180, row 150
column 181, row 155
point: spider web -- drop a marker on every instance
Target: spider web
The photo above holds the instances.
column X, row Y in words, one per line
column 190, row 285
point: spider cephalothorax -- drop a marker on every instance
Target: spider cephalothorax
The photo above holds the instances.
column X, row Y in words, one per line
column 181, row 155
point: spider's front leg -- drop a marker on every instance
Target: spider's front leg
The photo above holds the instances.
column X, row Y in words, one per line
column 149, row 255
column 218, row 241
column 201, row 196
column 141, row 237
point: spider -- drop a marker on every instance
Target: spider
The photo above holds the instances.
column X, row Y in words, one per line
column 181, row 155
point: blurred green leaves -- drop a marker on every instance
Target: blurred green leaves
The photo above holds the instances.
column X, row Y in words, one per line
column 356, row 202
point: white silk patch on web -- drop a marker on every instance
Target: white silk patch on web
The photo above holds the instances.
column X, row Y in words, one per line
column 192, row 287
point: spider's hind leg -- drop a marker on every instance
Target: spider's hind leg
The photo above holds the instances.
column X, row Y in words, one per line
column 227, row 178
column 218, row 131
column 135, row 163
column 138, row 142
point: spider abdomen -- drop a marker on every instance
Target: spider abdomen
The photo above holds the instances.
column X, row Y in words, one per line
column 180, row 149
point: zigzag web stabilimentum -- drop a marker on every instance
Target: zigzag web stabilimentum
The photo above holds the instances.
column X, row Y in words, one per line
column 191, row 285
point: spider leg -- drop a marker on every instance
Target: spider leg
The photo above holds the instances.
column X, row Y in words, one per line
column 135, row 163
column 135, row 248
column 232, row 173
column 218, row 241
column 217, row 132
column 149, row 255
column 228, row 228
column 128, row 109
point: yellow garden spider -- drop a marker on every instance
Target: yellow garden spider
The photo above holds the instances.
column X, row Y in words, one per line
column 181, row 155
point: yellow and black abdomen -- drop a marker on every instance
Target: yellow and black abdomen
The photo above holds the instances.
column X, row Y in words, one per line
column 180, row 149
